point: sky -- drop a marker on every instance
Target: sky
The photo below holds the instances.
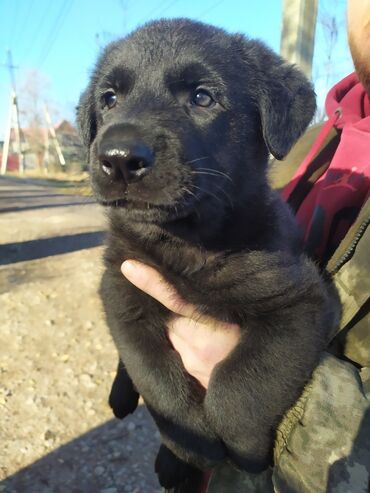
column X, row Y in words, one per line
column 55, row 43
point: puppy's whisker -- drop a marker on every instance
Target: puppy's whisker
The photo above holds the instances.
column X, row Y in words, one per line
column 221, row 173
column 187, row 190
column 220, row 189
column 207, row 192
column 211, row 174
column 208, row 173
column 197, row 159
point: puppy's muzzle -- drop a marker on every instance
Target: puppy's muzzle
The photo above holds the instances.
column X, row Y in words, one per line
column 124, row 157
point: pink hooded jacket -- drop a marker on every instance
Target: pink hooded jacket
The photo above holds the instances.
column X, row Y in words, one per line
column 333, row 182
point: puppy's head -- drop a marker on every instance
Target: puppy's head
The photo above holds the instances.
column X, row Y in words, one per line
column 179, row 118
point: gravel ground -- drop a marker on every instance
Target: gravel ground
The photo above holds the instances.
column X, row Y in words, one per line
column 57, row 360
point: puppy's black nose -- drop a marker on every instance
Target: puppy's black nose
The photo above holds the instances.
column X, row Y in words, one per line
column 129, row 161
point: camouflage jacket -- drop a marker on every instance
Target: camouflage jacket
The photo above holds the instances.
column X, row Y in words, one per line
column 323, row 443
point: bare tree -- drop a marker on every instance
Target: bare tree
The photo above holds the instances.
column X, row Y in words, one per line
column 34, row 93
column 329, row 24
column 331, row 30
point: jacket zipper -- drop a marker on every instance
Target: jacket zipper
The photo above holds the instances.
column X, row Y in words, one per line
column 351, row 249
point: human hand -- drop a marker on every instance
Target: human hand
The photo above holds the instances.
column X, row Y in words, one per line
column 201, row 341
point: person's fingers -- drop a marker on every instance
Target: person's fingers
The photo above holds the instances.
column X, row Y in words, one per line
column 192, row 360
column 151, row 282
column 204, row 330
column 186, row 328
column 201, row 341
column 204, row 341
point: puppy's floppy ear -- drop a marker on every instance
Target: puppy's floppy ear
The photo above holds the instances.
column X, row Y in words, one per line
column 285, row 98
column 86, row 117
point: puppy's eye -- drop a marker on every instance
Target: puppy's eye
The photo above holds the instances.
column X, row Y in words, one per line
column 110, row 99
column 202, row 98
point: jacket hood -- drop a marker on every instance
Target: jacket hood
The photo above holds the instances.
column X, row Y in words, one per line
column 333, row 182
column 350, row 100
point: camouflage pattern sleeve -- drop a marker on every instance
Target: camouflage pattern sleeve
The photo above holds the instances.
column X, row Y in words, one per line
column 227, row 479
column 327, row 449
column 352, row 281
column 323, row 442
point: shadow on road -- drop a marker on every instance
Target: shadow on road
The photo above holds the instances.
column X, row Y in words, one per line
column 30, row 181
column 43, row 206
column 11, row 253
column 25, row 195
column 95, row 461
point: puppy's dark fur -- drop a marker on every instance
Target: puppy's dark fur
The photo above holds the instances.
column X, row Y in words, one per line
column 205, row 217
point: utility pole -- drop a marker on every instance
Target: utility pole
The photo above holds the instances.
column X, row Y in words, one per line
column 298, row 33
column 46, row 152
column 4, row 157
column 13, row 117
column 54, row 138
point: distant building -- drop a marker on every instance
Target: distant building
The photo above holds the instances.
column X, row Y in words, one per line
column 70, row 142
column 39, row 151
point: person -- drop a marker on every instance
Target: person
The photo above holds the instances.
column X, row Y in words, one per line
column 323, row 443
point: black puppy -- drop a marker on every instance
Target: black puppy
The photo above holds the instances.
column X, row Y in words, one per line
column 178, row 121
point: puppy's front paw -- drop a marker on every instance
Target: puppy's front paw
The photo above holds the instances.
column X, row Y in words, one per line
column 122, row 399
column 171, row 470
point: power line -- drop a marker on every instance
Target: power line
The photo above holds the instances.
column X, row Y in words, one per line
column 209, row 9
column 38, row 30
column 164, row 6
column 153, row 11
column 54, row 32
column 24, row 23
column 15, row 19
column 168, row 7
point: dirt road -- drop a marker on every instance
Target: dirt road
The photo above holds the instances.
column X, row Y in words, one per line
column 56, row 357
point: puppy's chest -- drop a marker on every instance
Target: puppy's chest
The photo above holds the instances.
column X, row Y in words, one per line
column 194, row 271
column 171, row 257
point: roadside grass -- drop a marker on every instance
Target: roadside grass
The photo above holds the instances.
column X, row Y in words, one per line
column 76, row 184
